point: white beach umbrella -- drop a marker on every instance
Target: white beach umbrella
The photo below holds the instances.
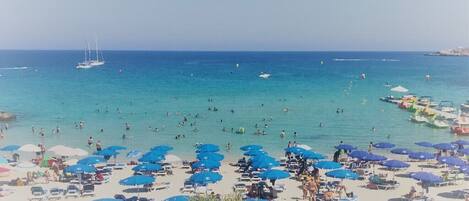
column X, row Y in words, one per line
column 80, row 152
column 170, row 158
column 61, row 150
column 72, row 161
column 303, row 146
column 400, row 89
column 27, row 166
column 29, row 148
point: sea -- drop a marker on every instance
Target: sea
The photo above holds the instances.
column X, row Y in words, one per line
column 165, row 94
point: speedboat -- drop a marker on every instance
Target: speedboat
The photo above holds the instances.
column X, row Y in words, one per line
column 264, row 75
column 446, row 106
column 417, row 118
column 426, row 101
column 437, row 123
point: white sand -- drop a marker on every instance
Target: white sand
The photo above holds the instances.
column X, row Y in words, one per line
column 230, row 177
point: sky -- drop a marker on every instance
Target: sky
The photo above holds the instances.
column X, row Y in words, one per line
column 231, row 25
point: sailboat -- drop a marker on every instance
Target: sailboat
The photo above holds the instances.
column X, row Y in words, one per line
column 90, row 63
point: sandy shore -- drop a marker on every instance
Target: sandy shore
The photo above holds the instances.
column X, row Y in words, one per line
column 292, row 191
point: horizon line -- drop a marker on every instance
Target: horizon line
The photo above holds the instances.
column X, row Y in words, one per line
column 201, row 50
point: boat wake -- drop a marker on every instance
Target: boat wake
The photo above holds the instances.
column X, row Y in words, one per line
column 358, row 59
column 15, row 68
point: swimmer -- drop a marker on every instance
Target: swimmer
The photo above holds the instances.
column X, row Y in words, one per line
column 90, row 141
column 428, row 77
column 321, row 125
column 282, row 134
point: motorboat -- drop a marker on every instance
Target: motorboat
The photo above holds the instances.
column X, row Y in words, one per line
column 460, row 129
column 446, row 106
column 465, row 107
column 437, row 123
column 417, row 118
column 264, row 75
column 426, row 101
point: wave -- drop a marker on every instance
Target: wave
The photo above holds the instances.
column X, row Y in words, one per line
column 15, row 68
column 359, row 59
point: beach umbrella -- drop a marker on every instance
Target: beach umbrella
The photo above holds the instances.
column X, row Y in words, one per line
column 27, row 166
column 312, row 155
column 12, row 147
column 464, row 151
column 265, row 164
column 373, row 157
column 207, row 148
column 400, row 89
column 251, row 147
column 358, row 154
column 137, row 180
column 461, row 142
column 210, row 156
column 3, row 170
column 178, row 198
column 3, row 160
column 426, row 177
column 383, row 145
column 401, row 151
column 342, row 174
column 30, row 148
column 79, row 168
column 79, row 152
column 91, row 160
column 108, row 199
column 149, row 167
column 261, row 158
column 107, row 152
column 444, row 146
column 295, row 150
column 424, row 144
column 61, row 150
column 206, row 164
column 395, row 164
column 274, row 174
column 346, row 147
column 465, row 170
column 151, row 157
column 451, row 161
column 116, row 148
column 162, row 148
column 303, row 146
column 170, row 158
column 327, row 165
column 205, row 177
column 134, row 153
column 421, row 155
column 255, row 153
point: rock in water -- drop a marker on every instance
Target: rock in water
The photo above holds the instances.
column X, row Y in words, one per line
column 6, row 116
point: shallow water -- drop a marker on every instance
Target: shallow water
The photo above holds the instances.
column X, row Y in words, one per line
column 46, row 91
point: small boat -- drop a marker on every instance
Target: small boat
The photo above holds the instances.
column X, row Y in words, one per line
column 264, row 75
column 90, row 63
column 465, row 107
column 446, row 106
column 426, row 101
column 437, row 123
column 460, row 129
column 417, row 118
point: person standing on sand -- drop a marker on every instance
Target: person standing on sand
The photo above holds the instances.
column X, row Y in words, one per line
column 370, row 147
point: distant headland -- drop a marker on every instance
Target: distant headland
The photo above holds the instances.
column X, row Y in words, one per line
column 451, row 52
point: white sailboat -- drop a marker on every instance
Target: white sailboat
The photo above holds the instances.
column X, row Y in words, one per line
column 86, row 63
column 97, row 62
column 90, row 63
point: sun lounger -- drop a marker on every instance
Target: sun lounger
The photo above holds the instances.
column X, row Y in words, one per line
column 55, row 194
column 88, row 190
column 188, row 187
column 186, row 164
column 279, row 187
column 239, row 187
column 38, row 193
column 161, row 185
column 72, row 191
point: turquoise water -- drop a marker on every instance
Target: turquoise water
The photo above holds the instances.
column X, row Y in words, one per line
column 50, row 92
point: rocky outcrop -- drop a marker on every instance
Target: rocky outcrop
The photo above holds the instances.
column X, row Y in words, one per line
column 6, row 116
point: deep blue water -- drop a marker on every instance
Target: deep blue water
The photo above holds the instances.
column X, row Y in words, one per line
column 50, row 92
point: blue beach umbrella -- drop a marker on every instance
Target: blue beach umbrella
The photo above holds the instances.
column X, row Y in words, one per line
column 395, row 164
column 251, row 147
column 383, row 145
column 461, row 142
column 116, row 148
column 295, row 150
column 210, row 156
column 312, row 155
column 451, row 161
column 151, row 157
column 255, row 153
column 149, row 167
column 358, row 154
column 205, row 177
column 207, row 148
column 346, row 147
column 79, row 168
column 261, row 158
column 421, row 155
column 206, row 164
column 12, row 147
column 134, row 153
column 327, row 165
column 162, row 148
column 373, row 157
column 3, row 160
column 91, row 160
column 401, row 151
column 137, row 180
column 426, row 177
column 424, row 144
column 107, row 152
column 255, row 199
column 274, row 174
column 342, row 174
column 464, row 151
column 265, row 164
column 178, row 198
column 465, row 170
column 444, row 146
column 108, row 199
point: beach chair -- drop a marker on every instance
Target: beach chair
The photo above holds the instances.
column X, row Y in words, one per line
column 38, row 193
column 378, row 183
column 188, row 187
column 186, row 164
column 119, row 166
column 161, row 173
column 55, row 194
column 88, row 190
column 279, row 187
column 240, row 187
column 161, row 185
column 72, row 191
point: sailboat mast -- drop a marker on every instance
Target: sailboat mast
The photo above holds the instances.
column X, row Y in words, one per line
column 89, row 52
column 97, row 57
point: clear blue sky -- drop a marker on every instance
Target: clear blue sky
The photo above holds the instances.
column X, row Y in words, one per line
column 235, row 24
